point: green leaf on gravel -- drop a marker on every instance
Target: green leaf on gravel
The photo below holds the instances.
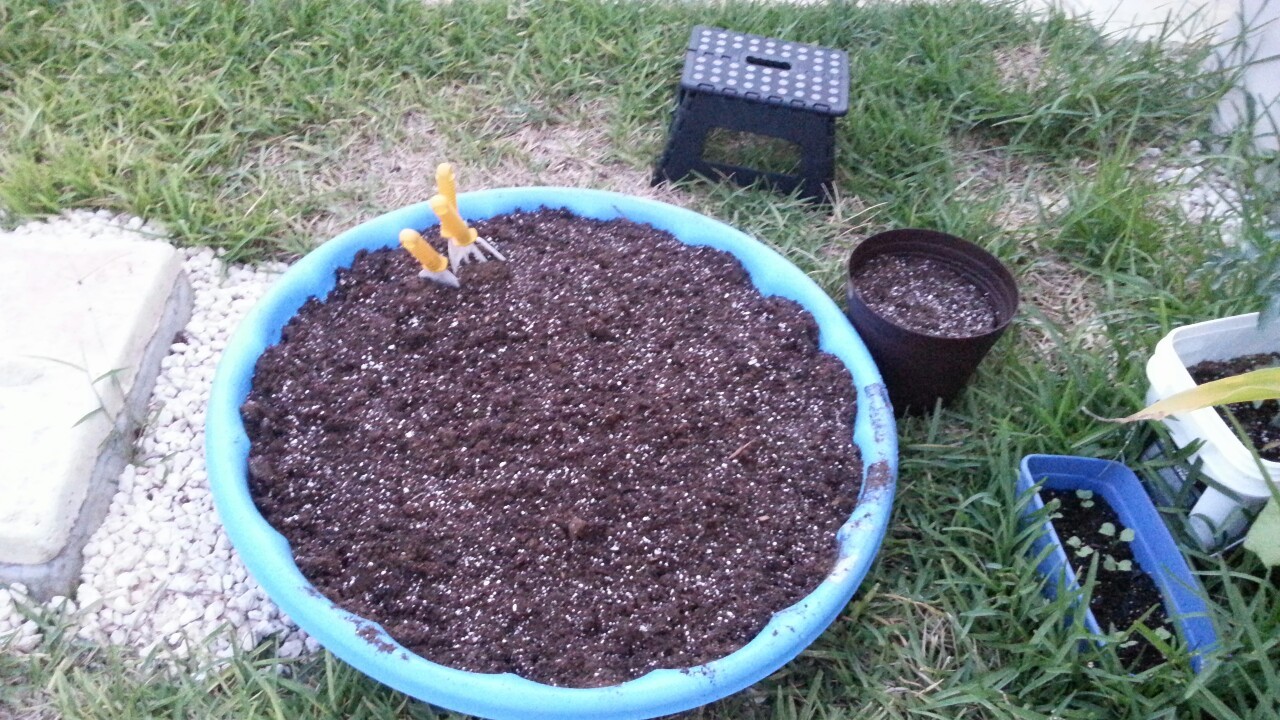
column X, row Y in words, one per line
column 1263, row 539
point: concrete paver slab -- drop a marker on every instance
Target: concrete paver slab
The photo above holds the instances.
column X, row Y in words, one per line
column 83, row 325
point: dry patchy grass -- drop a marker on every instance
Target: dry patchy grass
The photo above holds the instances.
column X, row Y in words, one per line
column 1021, row 68
column 1062, row 298
column 1023, row 190
column 354, row 173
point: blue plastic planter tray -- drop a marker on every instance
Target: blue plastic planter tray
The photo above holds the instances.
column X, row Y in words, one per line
column 1153, row 547
column 269, row 559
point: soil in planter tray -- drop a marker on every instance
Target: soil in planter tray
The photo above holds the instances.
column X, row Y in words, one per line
column 607, row 455
column 1261, row 421
column 924, row 295
column 1122, row 592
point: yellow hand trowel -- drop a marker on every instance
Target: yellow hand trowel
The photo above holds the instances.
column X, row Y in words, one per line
column 434, row 265
column 464, row 242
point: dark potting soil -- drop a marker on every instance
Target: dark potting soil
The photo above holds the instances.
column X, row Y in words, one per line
column 1261, row 421
column 607, row 455
column 925, row 295
column 1122, row 594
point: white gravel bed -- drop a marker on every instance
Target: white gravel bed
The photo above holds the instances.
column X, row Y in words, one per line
column 1203, row 192
column 160, row 570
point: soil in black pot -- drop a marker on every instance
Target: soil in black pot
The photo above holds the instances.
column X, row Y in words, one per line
column 1261, row 421
column 924, row 295
column 1122, row 594
column 608, row 455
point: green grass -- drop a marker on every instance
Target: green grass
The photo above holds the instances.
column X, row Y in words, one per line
column 156, row 107
column 166, row 109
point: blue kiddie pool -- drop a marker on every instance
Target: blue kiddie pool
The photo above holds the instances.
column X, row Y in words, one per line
column 269, row 559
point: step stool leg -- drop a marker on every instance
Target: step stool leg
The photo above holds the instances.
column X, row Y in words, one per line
column 817, row 163
column 690, row 127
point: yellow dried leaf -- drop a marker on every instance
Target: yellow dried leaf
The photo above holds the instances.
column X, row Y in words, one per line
column 1246, row 387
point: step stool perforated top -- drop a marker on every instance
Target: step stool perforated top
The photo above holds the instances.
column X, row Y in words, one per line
column 767, row 70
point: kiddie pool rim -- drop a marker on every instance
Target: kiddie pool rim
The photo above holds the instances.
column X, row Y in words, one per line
column 267, row 555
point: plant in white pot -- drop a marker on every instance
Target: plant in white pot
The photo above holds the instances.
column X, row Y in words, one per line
column 1190, row 416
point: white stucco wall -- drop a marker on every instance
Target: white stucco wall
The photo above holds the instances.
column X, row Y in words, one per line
column 1146, row 17
column 1248, row 29
column 1259, row 49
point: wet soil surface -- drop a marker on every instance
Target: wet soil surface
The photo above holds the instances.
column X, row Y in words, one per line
column 925, row 295
column 1261, row 421
column 607, row 455
column 1122, row 594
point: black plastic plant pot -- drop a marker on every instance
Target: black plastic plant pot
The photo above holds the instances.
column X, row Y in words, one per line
column 920, row 369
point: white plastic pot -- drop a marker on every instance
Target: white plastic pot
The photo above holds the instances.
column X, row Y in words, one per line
column 1235, row 484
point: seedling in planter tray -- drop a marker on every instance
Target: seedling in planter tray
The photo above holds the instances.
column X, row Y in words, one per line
column 462, row 238
column 1125, row 597
column 434, row 265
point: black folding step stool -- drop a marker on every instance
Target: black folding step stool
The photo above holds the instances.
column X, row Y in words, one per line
column 748, row 83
